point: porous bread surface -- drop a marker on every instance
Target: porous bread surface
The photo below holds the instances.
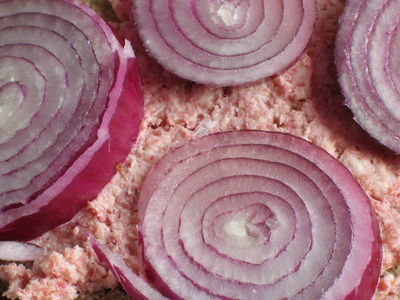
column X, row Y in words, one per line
column 305, row 101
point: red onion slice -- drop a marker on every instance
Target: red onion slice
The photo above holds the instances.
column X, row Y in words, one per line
column 18, row 251
column 257, row 215
column 223, row 43
column 134, row 285
column 367, row 59
column 71, row 104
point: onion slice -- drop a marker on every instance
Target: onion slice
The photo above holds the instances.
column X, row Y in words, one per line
column 257, row 215
column 367, row 60
column 70, row 108
column 225, row 43
column 135, row 286
column 18, row 251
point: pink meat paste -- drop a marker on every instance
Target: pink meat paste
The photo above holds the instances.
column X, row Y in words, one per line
column 305, row 101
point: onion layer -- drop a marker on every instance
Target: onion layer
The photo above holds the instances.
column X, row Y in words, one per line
column 257, row 215
column 136, row 287
column 224, row 43
column 367, row 59
column 70, row 108
column 18, row 251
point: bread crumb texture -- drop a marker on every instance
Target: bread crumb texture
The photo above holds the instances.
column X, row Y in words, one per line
column 305, row 101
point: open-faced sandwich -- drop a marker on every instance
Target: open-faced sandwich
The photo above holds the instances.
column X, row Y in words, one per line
column 202, row 149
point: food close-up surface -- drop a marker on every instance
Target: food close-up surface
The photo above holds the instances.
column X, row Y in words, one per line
column 283, row 149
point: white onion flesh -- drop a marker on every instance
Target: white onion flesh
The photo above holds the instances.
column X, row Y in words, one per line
column 70, row 108
column 367, row 59
column 257, row 215
column 18, row 251
column 224, row 43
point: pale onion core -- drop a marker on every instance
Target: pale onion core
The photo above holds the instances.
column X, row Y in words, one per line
column 67, row 88
column 367, row 59
column 253, row 214
column 223, row 43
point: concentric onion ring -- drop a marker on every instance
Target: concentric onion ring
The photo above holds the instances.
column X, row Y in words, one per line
column 257, row 215
column 70, row 108
column 223, row 43
column 367, row 59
